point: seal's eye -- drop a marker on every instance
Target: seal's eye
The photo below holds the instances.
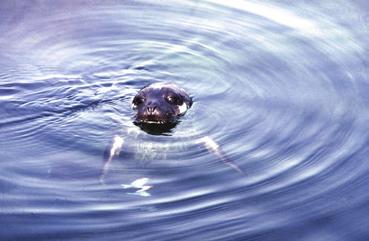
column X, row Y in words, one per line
column 172, row 99
column 138, row 100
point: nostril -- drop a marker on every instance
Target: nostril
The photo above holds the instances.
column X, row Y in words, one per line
column 151, row 109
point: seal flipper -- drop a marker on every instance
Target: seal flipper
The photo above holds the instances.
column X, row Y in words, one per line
column 214, row 148
column 110, row 153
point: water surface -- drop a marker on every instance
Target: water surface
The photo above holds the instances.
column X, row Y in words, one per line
column 281, row 86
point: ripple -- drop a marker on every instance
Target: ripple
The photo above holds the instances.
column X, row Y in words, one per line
column 281, row 87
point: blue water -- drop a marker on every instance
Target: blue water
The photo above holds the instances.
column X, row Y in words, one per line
column 281, row 86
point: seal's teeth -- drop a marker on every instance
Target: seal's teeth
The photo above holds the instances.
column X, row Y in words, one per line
column 157, row 122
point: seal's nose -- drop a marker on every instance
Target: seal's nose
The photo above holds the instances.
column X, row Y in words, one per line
column 151, row 106
column 151, row 109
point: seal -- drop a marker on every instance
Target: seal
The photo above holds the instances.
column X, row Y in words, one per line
column 160, row 103
column 158, row 108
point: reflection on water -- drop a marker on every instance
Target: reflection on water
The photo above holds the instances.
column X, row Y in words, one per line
column 281, row 86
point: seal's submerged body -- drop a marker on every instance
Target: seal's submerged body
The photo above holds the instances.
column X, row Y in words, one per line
column 158, row 108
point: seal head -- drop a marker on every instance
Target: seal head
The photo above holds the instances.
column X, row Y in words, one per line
column 160, row 104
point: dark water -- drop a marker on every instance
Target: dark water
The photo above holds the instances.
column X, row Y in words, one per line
column 281, row 86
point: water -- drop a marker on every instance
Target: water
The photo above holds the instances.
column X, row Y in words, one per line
column 281, row 86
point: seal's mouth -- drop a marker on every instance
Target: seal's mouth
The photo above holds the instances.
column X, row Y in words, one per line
column 152, row 122
column 156, row 127
column 158, row 118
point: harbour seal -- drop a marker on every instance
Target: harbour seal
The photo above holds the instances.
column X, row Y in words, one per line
column 160, row 103
column 158, row 108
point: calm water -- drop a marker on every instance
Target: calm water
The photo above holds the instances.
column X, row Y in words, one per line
column 282, row 86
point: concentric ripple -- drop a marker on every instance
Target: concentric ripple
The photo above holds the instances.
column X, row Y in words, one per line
column 280, row 86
